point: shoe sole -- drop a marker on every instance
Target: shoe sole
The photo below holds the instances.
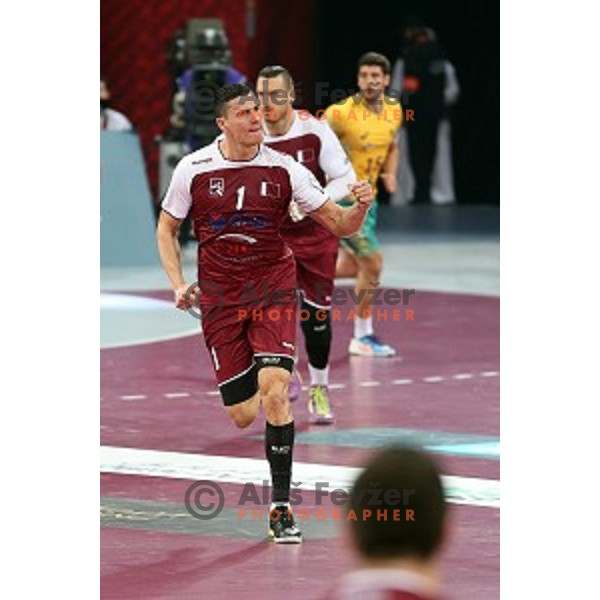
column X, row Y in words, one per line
column 290, row 540
column 318, row 420
column 371, row 355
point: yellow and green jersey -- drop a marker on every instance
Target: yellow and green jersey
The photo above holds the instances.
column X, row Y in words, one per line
column 365, row 134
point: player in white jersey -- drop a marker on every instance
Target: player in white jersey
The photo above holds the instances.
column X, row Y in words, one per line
column 313, row 144
column 238, row 192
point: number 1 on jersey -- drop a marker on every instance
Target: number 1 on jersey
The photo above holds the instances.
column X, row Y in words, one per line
column 240, row 197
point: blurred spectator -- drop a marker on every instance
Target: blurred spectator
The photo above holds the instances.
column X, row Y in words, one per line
column 110, row 119
column 193, row 105
column 400, row 559
column 427, row 84
column 207, row 69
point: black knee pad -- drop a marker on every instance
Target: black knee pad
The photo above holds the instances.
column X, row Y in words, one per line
column 317, row 334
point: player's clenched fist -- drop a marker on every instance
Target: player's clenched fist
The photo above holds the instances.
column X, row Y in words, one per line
column 362, row 191
column 186, row 296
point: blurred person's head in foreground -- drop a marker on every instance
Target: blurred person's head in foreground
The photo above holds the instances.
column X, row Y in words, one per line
column 400, row 525
column 373, row 75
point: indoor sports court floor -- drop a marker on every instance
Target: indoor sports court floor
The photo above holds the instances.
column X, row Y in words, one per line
column 163, row 426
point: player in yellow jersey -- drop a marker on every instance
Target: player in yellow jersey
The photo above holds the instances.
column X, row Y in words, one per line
column 367, row 125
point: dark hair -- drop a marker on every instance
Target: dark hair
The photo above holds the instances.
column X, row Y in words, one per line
column 231, row 92
column 272, row 71
column 402, row 469
column 375, row 59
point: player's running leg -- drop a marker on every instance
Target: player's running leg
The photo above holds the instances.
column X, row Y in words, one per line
column 365, row 342
column 366, row 249
column 244, row 413
column 316, row 327
column 346, row 264
column 279, row 445
column 315, row 272
column 235, row 368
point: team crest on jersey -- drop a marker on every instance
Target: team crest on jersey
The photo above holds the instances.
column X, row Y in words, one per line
column 216, row 186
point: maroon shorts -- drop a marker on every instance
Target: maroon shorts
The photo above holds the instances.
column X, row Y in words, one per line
column 243, row 339
column 315, row 249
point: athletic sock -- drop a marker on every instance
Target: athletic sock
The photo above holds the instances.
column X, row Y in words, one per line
column 318, row 376
column 363, row 327
column 317, row 335
column 279, row 444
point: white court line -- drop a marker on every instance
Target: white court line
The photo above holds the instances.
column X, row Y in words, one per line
column 339, row 386
column 228, row 469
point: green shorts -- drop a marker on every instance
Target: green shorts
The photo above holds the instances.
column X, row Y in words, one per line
column 365, row 242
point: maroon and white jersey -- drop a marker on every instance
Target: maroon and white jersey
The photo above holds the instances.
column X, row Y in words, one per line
column 313, row 144
column 383, row 584
column 237, row 208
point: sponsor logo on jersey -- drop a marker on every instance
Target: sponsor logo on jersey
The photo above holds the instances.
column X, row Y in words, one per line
column 270, row 360
column 240, row 237
column 288, row 345
column 219, row 222
column 216, row 186
column 234, row 250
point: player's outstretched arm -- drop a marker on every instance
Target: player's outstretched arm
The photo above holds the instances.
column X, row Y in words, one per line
column 170, row 257
column 347, row 221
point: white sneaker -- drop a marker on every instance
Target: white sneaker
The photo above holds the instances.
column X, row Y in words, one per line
column 370, row 345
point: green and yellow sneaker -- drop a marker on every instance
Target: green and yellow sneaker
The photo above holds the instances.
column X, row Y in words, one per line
column 319, row 406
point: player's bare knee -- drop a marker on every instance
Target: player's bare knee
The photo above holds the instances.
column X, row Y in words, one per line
column 241, row 418
column 243, row 421
column 273, row 385
column 275, row 400
column 371, row 266
column 378, row 263
column 276, row 404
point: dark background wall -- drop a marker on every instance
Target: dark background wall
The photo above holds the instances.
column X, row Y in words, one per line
column 318, row 40
column 469, row 31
